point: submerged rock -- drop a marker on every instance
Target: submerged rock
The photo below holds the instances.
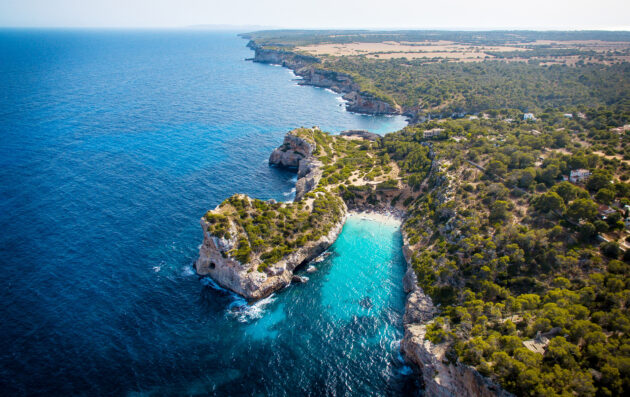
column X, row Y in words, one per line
column 366, row 302
column 299, row 279
column 322, row 257
column 311, row 269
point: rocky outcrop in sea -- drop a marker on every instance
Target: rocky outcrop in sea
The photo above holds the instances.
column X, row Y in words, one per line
column 297, row 153
column 243, row 278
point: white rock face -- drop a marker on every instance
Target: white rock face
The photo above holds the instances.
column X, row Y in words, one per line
column 296, row 152
column 309, row 174
column 245, row 279
column 292, row 151
column 442, row 378
column 303, row 66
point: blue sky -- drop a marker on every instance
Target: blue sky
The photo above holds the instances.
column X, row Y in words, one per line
column 451, row 14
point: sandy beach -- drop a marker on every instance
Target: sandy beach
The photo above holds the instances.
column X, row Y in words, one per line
column 387, row 218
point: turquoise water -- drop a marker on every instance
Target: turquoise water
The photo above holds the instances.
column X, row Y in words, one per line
column 345, row 321
column 112, row 145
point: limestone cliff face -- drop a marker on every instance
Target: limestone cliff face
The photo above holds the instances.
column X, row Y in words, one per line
column 292, row 151
column 441, row 377
column 305, row 66
column 361, row 102
column 338, row 82
column 215, row 259
column 297, row 152
column 287, row 59
column 309, row 174
column 243, row 278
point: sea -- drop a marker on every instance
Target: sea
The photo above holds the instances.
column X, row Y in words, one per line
column 113, row 144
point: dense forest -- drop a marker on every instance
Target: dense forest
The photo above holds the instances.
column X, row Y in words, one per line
column 531, row 277
column 472, row 87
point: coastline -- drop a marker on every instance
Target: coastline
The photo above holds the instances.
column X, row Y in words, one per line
column 439, row 377
column 307, row 68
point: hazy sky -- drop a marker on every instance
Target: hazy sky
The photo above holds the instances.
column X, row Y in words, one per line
column 453, row 14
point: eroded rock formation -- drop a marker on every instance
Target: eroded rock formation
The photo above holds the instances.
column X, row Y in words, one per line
column 216, row 255
column 297, row 152
column 308, row 67
column 243, row 278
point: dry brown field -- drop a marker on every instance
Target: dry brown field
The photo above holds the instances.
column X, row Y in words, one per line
column 606, row 52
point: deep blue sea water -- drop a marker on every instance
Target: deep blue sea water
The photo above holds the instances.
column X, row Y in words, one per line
column 112, row 145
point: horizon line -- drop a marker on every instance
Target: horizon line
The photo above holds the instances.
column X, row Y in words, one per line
column 263, row 27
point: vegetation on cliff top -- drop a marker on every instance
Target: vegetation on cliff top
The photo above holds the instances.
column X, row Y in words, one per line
column 518, row 75
column 267, row 231
column 447, row 88
column 513, row 255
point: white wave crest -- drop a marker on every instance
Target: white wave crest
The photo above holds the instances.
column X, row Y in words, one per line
column 244, row 313
column 188, row 271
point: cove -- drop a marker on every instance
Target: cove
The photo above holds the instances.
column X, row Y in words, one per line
column 338, row 333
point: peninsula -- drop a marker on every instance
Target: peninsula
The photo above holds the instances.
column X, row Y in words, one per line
column 252, row 247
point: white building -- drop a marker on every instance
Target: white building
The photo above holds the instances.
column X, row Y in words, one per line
column 568, row 115
column 579, row 176
column 529, row 116
column 433, row 132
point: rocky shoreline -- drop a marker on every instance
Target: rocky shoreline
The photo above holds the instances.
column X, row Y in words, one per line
column 242, row 278
column 307, row 67
column 249, row 283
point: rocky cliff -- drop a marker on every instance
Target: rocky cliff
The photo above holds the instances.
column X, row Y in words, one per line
column 256, row 279
column 278, row 56
column 243, row 278
column 297, row 152
column 309, row 68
